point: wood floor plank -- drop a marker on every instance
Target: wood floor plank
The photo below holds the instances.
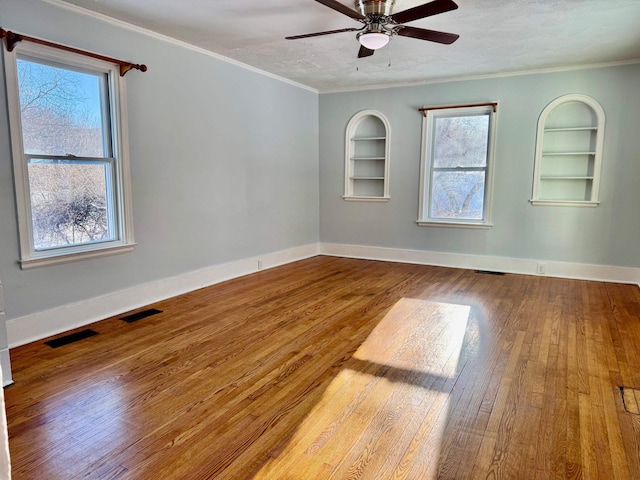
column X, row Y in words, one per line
column 344, row 369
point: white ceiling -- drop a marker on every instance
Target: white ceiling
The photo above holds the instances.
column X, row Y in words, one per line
column 496, row 36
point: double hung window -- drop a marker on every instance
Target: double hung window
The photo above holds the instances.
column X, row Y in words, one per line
column 457, row 166
column 71, row 172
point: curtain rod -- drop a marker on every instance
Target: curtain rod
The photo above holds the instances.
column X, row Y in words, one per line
column 424, row 110
column 11, row 38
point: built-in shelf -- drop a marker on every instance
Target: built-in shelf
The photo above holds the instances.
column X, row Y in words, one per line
column 564, row 203
column 564, row 178
column 569, row 152
column 569, row 129
column 560, row 154
column 367, row 157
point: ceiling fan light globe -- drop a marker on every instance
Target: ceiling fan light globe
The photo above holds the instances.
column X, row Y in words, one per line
column 373, row 41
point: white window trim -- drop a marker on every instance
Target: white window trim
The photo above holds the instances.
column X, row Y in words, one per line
column 29, row 257
column 426, row 161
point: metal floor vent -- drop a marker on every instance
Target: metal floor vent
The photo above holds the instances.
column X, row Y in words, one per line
column 140, row 315
column 489, row 272
column 630, row 400
column 71, row 338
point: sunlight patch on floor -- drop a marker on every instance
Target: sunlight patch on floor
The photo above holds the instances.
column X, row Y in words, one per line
column 385, row 412
column 418, row 334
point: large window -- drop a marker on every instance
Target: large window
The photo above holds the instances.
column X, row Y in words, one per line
column 70, row 160
column 457, row 164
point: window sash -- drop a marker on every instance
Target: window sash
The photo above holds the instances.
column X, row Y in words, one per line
column 113, row 226
column 107, row 122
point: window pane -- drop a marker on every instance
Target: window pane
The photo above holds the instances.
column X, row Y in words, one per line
column 61, row 111
column 461, row 141
column 457, row 195
column 70, row 202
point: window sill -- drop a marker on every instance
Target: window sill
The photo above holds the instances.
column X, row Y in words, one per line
column 435, row 223
column 59, row 258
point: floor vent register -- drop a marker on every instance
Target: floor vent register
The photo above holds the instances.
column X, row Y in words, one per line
column 71, row 338
column 140, row 315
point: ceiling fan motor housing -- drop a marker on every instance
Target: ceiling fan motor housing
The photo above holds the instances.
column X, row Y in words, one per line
column 375, row 7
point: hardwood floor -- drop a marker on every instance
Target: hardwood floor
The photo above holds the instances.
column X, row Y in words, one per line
column 342, row 369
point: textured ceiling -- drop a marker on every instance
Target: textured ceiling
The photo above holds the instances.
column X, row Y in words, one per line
column 496, row 36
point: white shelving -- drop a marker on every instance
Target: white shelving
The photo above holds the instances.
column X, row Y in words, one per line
column 569, row 129
column 367, row 157
column 555, row 177
column 569, row 152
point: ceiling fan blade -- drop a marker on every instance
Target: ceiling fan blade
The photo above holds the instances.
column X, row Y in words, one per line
column 429, row 35
column 328, row 32
column 339, row 7
column 365, row 52
column 426, row 10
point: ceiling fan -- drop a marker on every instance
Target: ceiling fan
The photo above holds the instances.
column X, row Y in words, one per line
column 380, row 24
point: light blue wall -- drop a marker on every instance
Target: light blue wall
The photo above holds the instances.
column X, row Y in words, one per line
column 606, row 235
column 224, row 164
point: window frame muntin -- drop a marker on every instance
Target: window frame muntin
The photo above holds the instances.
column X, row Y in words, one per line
column 427, row 169
column 119, row 150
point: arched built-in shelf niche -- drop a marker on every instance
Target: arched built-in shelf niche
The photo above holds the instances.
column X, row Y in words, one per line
column 367, row 157
column 569, row 152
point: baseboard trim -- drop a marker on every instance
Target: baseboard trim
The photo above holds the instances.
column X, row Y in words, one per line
column 580, row 271
column 40, row 325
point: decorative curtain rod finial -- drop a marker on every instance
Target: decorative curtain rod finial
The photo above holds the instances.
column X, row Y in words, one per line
column 10, row 39
column 125, row 68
